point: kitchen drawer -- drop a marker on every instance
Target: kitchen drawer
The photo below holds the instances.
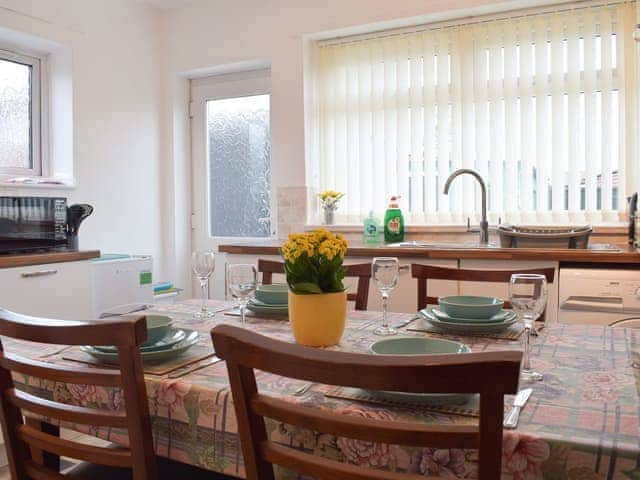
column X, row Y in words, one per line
column 55, row 290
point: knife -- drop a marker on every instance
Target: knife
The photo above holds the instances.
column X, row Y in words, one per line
column 512, row 418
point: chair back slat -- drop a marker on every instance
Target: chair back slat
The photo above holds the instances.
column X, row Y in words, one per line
column 65, row 412
column 401, row 373
column 491, row 375
column 60, row 373
column 71, row 332
column 325, row 469
column 397, row 433
column 67, row 448
column 360, row 271
column 39, row 461
column 424, row 273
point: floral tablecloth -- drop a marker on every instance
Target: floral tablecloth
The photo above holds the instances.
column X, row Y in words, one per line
column 582, row 421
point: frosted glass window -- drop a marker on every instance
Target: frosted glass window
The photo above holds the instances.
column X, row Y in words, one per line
column 238, row 163
column 15, row 115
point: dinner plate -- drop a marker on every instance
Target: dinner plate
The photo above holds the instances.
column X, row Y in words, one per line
column 175, row 336
column 498, row 317
column 155, row 356
column 411, row 346
column 463, row 328
column 268, row 309
column 255, row 301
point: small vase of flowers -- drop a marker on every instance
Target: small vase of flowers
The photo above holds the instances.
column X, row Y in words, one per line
column 329, row 200
column 317, row 297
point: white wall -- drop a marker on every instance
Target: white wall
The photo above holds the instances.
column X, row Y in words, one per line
column 117, row 115
column 213, row 34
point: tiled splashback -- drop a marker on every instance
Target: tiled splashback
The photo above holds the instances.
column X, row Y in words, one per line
column 296, row 207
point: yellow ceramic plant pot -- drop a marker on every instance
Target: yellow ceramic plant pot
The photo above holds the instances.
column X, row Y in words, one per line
column 318, row 320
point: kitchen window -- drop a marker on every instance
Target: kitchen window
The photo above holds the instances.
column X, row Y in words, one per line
column 20, row 128
column 541, row 104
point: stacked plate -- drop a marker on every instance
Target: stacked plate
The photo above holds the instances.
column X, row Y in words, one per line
column 469, row 314
column 271, row 300
column 164, row 342
column 420, row 346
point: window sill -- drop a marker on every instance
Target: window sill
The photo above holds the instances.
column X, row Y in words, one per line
column 38, row 183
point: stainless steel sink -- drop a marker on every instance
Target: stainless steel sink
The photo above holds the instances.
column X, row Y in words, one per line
column 444, row 245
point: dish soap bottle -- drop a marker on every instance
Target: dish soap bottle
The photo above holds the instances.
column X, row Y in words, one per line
column 371, row 229
column 393, row 222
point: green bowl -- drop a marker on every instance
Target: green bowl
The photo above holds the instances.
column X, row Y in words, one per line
column 467, row 306
column 158, row 327
column 417, row 346
column 276, row 294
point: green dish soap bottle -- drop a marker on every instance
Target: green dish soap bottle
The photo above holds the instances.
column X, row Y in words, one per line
column 393, row 222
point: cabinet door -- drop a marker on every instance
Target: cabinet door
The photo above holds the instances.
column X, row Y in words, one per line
column 502, row 290
column 56, row 290
column 405, row 297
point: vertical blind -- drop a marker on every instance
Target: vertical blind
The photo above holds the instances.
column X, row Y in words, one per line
column 540, row 105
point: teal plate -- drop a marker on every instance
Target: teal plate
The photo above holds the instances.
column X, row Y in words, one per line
column 175, row 336
column 498, row 317
column 466, row 328
column 156, row 356
column 419, row 346
column 268, row 309
column 255, row 301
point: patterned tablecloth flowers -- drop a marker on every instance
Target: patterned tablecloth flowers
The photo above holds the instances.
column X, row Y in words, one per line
column 582, row 421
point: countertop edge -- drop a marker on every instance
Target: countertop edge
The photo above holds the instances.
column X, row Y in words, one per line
column 28, row 259
column 584, row 256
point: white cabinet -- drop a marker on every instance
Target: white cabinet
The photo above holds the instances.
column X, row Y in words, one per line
column 502, row 290
column 55, row 290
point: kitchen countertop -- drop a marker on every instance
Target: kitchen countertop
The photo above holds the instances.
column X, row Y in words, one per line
column 624, row 254
column 26, row 259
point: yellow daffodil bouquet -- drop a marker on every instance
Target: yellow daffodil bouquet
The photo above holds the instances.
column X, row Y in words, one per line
column 329, row 199
column 313, row 262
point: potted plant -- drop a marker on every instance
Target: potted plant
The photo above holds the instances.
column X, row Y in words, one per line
column 317, row 297
column 329, row 200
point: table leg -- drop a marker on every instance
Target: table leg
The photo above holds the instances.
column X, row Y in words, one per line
column 47, row 459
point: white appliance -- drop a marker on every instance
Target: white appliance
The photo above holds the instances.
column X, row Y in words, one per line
column 120, row 281
column 598, row 296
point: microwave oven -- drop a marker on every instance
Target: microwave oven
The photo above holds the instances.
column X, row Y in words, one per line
column 32, row 223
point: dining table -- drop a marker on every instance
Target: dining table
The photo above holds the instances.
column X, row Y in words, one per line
column 581, row 422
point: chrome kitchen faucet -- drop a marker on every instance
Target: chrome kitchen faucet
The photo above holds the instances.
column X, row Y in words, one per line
column 484, row 225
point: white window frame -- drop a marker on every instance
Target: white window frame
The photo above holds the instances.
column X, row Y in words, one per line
column 36, row 115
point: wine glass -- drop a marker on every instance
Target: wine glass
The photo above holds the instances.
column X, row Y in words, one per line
column 528, row 297
column 203, row 264
column 385, row 272
column 243, row 279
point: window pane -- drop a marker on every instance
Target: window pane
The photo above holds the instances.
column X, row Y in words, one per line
column 240, row 180
column 15, row 116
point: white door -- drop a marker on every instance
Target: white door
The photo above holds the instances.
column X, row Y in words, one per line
column 230, row 138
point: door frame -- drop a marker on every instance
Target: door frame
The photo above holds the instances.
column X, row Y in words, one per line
column 201, row 90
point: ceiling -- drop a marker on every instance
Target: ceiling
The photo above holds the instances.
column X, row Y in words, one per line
column 167, row 3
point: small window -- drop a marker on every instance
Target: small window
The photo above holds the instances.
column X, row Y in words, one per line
column 19, row 115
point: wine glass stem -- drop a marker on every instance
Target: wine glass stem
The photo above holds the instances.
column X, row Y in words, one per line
column 203, row 287
column 527, row 348
column 385, row 299
column 242, row 308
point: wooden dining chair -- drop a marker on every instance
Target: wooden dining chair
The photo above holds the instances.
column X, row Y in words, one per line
column 360, row 271
column 34, row 445
column 491, row 375
column 424, row 273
